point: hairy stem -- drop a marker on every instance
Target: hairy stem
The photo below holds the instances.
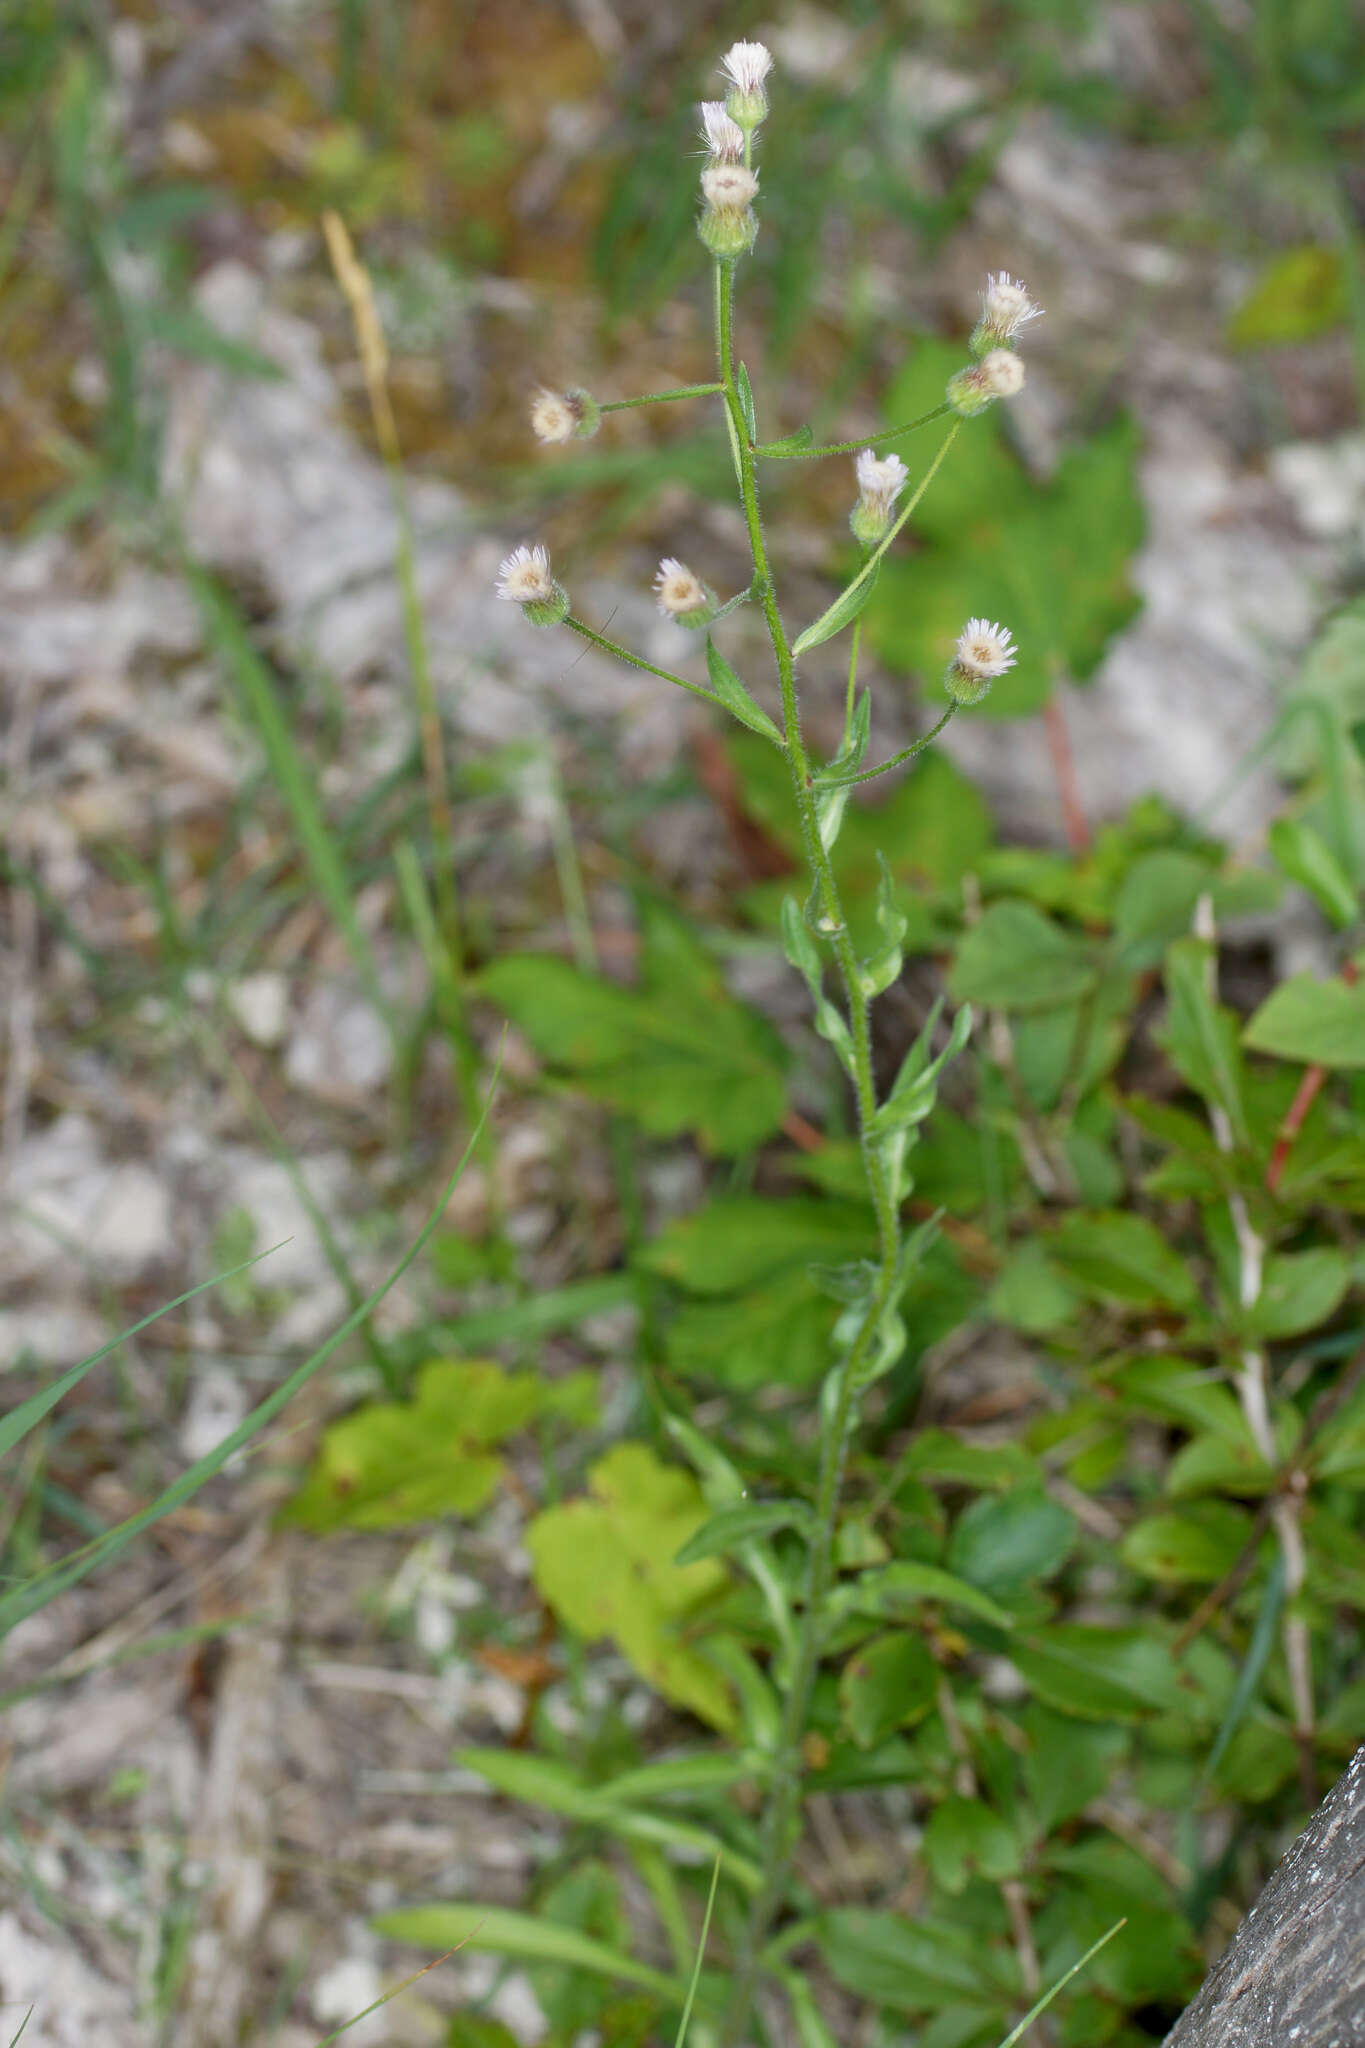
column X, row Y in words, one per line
column 840, row 1397
column 659, row 397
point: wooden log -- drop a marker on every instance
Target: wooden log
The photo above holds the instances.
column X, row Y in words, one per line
column 1294, row 1974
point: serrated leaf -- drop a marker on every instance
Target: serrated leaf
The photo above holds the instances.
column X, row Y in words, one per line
column 395, row 1463
column 606, row 1564
column 678, row 1053
column 735, row 697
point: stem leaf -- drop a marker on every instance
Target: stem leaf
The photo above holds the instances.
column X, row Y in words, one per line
column 735, row 697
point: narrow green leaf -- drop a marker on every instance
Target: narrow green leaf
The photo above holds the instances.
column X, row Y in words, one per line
column 790, row 444
column 1017, row 2034
column 735, row 697
column 526, row 1937
column 746, row 402
column 844, row 610
column 1307, row 859
column 731, row 1528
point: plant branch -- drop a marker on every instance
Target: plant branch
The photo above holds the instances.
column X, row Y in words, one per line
column 638, row 661
column 905, row 754
column 774, row 453
column 660, row 397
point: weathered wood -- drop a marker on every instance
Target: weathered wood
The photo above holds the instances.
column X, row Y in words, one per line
column 1294, row 1975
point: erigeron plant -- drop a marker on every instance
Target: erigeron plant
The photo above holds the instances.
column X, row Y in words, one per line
column 869, row 1336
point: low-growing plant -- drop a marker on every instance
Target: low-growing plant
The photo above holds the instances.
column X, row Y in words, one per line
column 1031, row 1643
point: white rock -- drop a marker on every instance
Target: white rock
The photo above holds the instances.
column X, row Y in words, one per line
column 260, row 1003
column 216, row 1405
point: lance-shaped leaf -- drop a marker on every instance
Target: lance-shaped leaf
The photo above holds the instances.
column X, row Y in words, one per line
column 735, row 697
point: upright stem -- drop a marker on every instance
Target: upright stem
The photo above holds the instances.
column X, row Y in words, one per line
column 841, row 1395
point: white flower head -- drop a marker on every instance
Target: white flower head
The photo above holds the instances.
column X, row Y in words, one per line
column 680, row 593
column 729, row 188
column 560, row 416
column 1005, row 308
column 524, row 578
column 552, row 416
column 984, row 651
column 881, row 479
column 747, row 65
column 1002, row 373
column 722, row 136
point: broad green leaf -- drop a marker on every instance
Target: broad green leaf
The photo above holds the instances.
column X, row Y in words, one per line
column 1157, row 897
column 1308, row 860
column 1299, row 1290
column 1030, row 1294
column 1179, row 1390
column 955, row 1461
column 890, row 1683
column 1298, row 296
column 527, row 1937
column 965, row 1839
column 735, row 697
column 1189, row 1546
column 913, row 1966
column 1104, row 1674
column 731, row 1528
column 678, row 1053
column 1219, row 1464
column 1001, row 1543
column 1321, row 1022
column 1068, row 1763
column 740, row 1239
column 1015, row 958
column 605, row 1564
column 395, row 1463
column 1049, row 560
column 1118, row 1256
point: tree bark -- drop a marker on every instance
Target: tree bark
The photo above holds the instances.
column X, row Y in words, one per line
column 1294, row 1975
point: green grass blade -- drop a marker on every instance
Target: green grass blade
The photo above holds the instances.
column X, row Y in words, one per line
column 383, row 1999
column 14, row 2042
column 46, row 1585
column 30, row 1413
column 701, row 1953
column 1018, row 2033
column 1249, row 1677
column 230, row 641
column 558, row 1309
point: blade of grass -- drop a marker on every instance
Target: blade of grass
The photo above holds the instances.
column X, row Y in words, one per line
column 1034, row 2011
column 68, row 1571
column 30, row 1413
column 1249, row 1677
column 230, row 641
column 356, row 2018
column 701, row 1952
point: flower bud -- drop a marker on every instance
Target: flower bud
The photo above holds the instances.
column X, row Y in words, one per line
column 881, row 479
column 681, row 595
column 524, row 578
column 728, row 226
column 747, row 65
column 998, row 375
column 723, row 137
column 983, row 652
column 559, row 416
column 1005, row 308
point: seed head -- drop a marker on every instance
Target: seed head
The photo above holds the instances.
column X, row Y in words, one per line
column 747, row 65
column 1000, row 374
column 681, row 595
column 559, row 416
column 881, row 479
column 729, row 188
column 524, row 578
column 722, row 136
column 983, row 652
column 1005, row 308
column 727, row 225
